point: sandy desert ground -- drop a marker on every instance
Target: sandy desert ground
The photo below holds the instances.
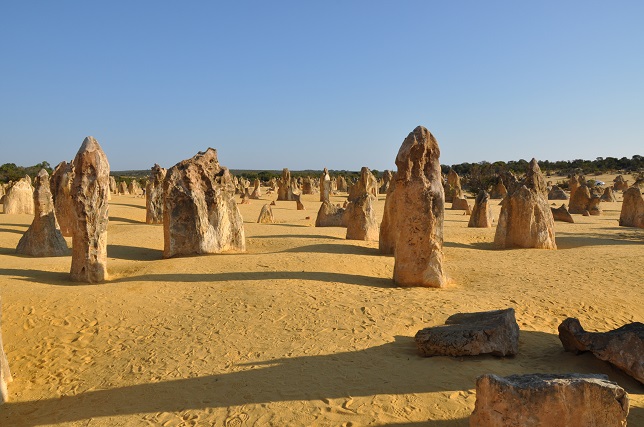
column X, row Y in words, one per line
column 304, row 329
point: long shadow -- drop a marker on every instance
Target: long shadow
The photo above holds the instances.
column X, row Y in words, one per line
column 332, row 248
column 574, row 240
column 376, row 370
column 133, row 253
column 8, row 230
column 16, row 225
column 48, row 277
column 128, row 220
column 298, row 236
column 482, row 246
column 129, row 205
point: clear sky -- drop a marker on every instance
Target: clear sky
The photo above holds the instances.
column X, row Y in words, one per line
column 304, row 85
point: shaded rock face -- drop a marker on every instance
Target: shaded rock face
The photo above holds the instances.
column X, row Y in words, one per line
column 19, row 198
column 387, row 176
column 341, row 183
column 245, row 197
column 266, row 215
column 325, row 186
column 620, row 184
column 622, row 347
column 360, row 214
column 552, row 400
column 574, row 183
column 526, row 219
column 200, row 214
column 154, row 195
column 469, row 334
column 307, row 186
column 89, row 192
column 632, row 213
column 499, row 191
column 562, row 214
column 460, row 204
column 298, row 202
column 608, row 195
column 594, row 207
column 284, row 189
column 122, row 187
column 330, row 215
column 580, row 200
column 5, row 373
column 557, row 193
column 482, row 212
column 453, row 187
column 257, row 190
column 134, row 188
column 61, row 188
column 113, row 186
column 414, row 209
column 43, row 238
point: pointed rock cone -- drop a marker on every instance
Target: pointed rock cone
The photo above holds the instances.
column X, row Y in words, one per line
column 90, row 187
column 43, row 238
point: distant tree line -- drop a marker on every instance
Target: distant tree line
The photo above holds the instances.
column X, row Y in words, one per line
column 11, row 172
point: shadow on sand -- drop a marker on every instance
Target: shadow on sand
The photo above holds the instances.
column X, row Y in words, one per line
column 574, row 240
column 133, row 253
column 373, row 371
column 126, row 220
column 332, row 248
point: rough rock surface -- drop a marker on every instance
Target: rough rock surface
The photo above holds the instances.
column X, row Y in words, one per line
column 89, row 191
column 266, row 215
column 499, row 191
column 5, row 373
column 19, row 198
column 622, row 347
column 594, row 207
column 549, row 400
column 609, row 195
column 330, row 215
column 325, row 186
column 134, row 188
column 620, row 184
column 298, row 202
column 61, row 188
column 526, row 220
column 632, row 213
column 113, row 186
column 284, row 189
column 123, row 188
column 154, row 195
column 556, row 193
column 200, row 214
column 453, row 186
column 360, row 214
column 415, row 209
column 387, row 176
column 482, row 212
column 43, row 238
column 574, row 183
column 257, row 190
column 460, row 204
column 342, row 184
column 468, row 334
column 561, row 214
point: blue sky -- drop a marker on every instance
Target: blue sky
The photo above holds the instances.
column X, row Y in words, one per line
column 306, row 85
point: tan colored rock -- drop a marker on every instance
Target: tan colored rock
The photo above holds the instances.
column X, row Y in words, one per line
column 460, row 204
column 284, row 190
column 257, row 190
column 580, row 200
column 330, row 215
column 388, row 233
column 549, row 400
column 122, row 188
column 556, row 193
column 499, row 191
column 482, row 212
column 608, row 195
column 201, row 215
column 307, row 186
column 113, row 186
column 43, row 237
column 19, row 198
column 632, row 213
column 526, row 219
column 620, row 184
column 594, row 207
column 387, row 176
column 266, row 215
column 622, row 347
column 298, row 201
column 154, row 195
column 561, row 214
column 5, row 373
column 360, row 213
column 415, row 206
column 573, row 184
column 470, row 334
column 453, row 187
column 89, row 190
column 325, row 186
column 342, row 184
column 134, row 188
column 245, row 197
column 61, row 191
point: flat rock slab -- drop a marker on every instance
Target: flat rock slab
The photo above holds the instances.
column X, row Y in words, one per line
column 468, row 334
column 570, row 400
column 622, row 347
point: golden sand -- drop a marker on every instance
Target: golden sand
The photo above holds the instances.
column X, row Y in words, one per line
column 304, row 329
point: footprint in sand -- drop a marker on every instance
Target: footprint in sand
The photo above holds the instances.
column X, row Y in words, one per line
column 236, row 420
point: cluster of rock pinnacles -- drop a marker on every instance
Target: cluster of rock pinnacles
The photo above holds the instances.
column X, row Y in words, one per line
column 195, row 202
